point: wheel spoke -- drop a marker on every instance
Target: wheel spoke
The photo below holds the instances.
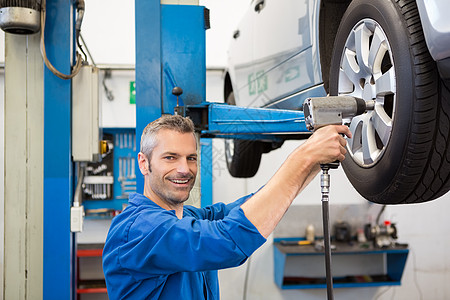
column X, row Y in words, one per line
column 362, row 145
column 362, row 35
column 349, row 73
column 385, row 84
column 377, row 51
column 369, row 145
column 345, row 84
column 354, row 143
column 382, row 124
column 229, row 150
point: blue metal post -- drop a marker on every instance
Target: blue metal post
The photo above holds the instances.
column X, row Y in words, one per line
column 396, row 261
column 148, row 69
column 183, row 54
column 206, row 188
column 170, row 51
column 58, row 188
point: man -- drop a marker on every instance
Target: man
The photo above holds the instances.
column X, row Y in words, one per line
column 157, row 248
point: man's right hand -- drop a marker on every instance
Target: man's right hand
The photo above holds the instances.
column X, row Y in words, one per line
column 326, row 145
column 266, row 208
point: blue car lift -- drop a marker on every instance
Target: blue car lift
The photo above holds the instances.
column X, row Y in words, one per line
column 218, row 120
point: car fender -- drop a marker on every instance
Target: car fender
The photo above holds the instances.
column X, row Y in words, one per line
column 436, row 26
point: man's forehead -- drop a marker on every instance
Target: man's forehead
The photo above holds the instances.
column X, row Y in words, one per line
column 173, row 141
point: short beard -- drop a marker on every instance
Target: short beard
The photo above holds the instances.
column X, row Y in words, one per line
column 171, row 201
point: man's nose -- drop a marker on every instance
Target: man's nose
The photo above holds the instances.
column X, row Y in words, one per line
column 183, row 166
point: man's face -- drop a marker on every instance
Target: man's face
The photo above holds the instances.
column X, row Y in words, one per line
column 172, row 167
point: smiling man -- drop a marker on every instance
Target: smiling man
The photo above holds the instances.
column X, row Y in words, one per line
column 159, row 248
column 171, row 175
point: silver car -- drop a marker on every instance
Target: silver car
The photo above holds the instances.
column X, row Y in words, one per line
column 396, row 52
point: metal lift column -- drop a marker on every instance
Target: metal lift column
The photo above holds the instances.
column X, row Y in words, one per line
column 58, row 168
column 170, row 51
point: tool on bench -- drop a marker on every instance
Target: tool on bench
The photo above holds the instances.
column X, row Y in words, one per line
column 319, row 112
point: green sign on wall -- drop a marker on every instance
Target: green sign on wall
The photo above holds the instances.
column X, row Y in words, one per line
column 132, row 92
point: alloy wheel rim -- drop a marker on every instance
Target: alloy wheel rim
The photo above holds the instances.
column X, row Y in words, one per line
column 229, row 150
column 367, row 71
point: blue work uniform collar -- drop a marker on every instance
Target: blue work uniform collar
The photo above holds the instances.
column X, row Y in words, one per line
column 139, row 199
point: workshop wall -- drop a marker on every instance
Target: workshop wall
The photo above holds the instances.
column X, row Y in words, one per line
column 118, row 108
column 108, row 29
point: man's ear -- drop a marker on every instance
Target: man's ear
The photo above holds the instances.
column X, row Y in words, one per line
column 143, row 163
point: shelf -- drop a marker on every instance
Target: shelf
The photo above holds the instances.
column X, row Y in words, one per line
column 89, row 250
column 353, row 265
column 91, row 287
column 91, row 253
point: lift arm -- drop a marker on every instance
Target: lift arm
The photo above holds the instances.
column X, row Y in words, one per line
column 229, row 121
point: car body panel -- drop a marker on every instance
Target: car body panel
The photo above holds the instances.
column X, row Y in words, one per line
column 283, row 67
column 241, row 43
column 436, row 26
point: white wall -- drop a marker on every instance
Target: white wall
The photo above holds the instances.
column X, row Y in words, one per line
column 109, row 30
column 225, row 16
column 117, row 112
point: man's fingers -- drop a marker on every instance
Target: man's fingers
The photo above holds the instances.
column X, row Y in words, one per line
column 342, row 141
column 343, row 152
column 329, row 143
column 344, row 130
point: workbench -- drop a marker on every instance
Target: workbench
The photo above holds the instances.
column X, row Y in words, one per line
column 353, row 265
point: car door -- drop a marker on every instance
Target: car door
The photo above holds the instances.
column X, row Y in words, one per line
column 282, row 50
column 240, row 58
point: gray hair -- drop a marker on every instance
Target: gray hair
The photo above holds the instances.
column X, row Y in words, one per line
column 171, row 122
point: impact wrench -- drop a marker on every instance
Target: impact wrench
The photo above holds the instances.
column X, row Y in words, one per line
column 319, row 112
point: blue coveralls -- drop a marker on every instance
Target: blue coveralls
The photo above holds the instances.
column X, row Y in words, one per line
column 151, row 254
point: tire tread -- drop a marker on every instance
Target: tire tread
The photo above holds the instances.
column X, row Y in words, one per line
column 434, row 181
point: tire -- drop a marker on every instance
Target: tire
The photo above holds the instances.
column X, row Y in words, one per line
column 399, row 152
column 243, row 157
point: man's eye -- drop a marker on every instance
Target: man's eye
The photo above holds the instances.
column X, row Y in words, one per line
column 169, row 157
column 192, row 158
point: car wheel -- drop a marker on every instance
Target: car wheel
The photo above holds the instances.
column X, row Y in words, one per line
column 242, row 156
column 399, row 152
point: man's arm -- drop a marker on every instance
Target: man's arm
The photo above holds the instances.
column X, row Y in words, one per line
column 216, row 211
column 266, row 208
